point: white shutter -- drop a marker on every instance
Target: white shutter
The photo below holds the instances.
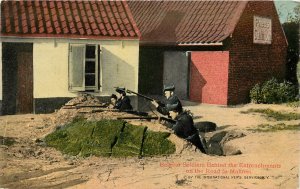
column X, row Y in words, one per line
column 76, row 67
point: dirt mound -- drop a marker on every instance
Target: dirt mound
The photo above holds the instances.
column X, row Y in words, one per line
column 88, row 107
column 86, row 100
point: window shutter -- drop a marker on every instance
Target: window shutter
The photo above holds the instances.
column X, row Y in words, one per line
column 76, row 67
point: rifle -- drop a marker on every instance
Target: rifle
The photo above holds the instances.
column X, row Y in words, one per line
column 78, row 106
column 125, row 111
column 149, row 118
column 143, row 96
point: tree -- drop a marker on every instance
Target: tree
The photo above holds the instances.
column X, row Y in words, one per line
column 291, row 30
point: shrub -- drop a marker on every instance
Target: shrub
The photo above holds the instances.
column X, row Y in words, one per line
column 272, row 92
column 255, row 94
column 287, row 92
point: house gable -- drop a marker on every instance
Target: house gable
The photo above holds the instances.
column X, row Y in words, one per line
column 252, row 62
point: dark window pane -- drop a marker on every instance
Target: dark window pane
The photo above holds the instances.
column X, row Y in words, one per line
column 90, row 51
column 90, row 67
column 90, row 80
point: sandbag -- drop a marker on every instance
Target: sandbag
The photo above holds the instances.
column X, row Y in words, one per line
column 205, row 126
column 216, row 144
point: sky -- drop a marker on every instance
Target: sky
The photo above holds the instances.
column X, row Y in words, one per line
column 285, row 7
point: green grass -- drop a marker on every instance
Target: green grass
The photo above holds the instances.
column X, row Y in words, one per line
column 157, row 144
column 129, row 142
column 295, row 104
column 72, row 137
column 274, row 128
column 103, row 138
column 278, row 116
column 7, row 141
column 114, row 138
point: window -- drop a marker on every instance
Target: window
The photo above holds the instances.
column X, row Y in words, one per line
column 84, row 67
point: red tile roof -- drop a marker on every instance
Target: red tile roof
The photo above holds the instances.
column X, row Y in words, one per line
column 68, row 19
column 186, row 22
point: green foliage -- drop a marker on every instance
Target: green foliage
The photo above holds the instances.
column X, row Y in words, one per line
column 7, row 141
column 103, row 138
column 295, row 104
column 157, row 143
column 269, row 91
column 291, row 30
column 255, row 94
column 129, row 142
column 272, row 92
column 107, row 138
column 278, row 116
column 274, row 128
column 296, row 16
column 71, row 138
column 287, row 92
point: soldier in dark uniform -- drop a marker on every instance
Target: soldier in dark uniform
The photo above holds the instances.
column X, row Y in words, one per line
column 184, row 126
column 171, row 100
column 113, row 101
column 123, row 102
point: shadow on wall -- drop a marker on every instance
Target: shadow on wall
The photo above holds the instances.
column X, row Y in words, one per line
column 151, row 71
column 9, row 78
column 145, row 105
column 117, row 73
column 197, row 82
column 166, row 29
column 176, row 65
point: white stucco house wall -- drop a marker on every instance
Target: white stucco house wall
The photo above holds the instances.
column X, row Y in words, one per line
column 55, row 50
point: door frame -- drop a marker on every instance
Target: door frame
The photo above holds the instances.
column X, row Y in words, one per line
column 11, row 88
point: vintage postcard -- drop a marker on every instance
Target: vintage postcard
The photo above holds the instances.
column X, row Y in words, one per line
column 149, row 94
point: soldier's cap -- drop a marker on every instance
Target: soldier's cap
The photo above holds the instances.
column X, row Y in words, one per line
column 113, row 96
column 169, row 88
column 120, row 90
column 174, row 107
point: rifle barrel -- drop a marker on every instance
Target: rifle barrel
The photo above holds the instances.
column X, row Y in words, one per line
column 138, row 94
column 141, row 117
column 149, row 118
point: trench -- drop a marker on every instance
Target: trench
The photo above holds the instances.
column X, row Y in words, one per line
column 143, row 140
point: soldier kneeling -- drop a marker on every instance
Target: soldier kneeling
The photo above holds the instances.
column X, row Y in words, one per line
column 184, row 126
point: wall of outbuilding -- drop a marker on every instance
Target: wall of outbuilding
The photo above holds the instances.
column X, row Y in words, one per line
column 254, row 63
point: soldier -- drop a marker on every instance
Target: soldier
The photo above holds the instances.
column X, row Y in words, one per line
column 113, row 101
column 184, row 126
column 171, row 100
column 123, row 102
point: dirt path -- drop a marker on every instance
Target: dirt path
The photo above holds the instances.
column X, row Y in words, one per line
column 268, row 159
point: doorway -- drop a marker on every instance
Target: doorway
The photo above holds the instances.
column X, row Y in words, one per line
column 176, row 71
column 17, row 60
